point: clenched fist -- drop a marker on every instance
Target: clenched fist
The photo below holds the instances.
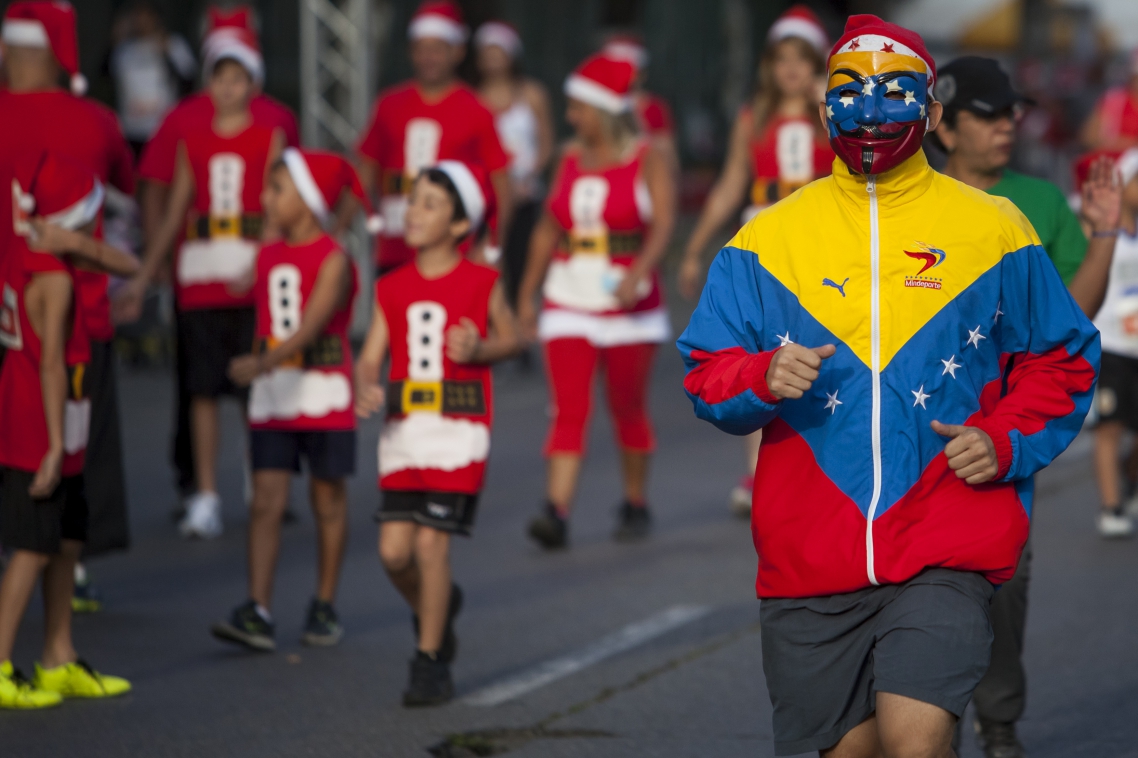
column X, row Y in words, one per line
column 970, row 452
column 794, row 368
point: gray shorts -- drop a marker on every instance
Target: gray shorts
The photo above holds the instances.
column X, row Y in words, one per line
column 826, row 658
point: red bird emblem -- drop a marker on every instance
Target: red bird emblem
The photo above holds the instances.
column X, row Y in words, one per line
column 930, row 256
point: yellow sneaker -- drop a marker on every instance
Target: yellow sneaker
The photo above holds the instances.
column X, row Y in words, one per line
column 18, row 692
column 79, row 680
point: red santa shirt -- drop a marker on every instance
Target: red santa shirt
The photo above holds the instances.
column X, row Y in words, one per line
column 194, row 114
column 407, row 134
column 788, row 154
column 21, row 395
column 437, row 434
column 83, row 131
column 224, row 224
column 605, row 215
column 312, row 392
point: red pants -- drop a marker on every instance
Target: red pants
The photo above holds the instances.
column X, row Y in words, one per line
column 570, row 366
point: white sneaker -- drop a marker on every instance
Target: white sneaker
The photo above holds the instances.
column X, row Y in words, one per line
column 203, row 517
column 1113, row 525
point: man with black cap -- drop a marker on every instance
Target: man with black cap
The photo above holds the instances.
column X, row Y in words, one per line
column 977, row 132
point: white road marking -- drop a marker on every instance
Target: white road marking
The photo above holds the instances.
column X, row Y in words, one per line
column 618, row 642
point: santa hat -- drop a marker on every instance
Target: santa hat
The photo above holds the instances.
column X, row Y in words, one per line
column 499, row 33
column 474, row 189
column 62, row 192
column 237, row 17
column 627, row 47
column 321, row 177
column 440, row 19
column 237, row 44
column 866, row 33
column 801, row 22
column 32, row 23
column 603, row 82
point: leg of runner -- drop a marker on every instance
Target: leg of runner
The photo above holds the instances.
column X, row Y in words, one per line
column 270, row 495
column 628, row 371
column 1112, row 520
column 432, row 556
column 16, row 588
column 203, row 512
column 58, row 585
column 330, row 507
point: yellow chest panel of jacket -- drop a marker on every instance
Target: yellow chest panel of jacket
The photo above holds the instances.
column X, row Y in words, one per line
column 921, row 237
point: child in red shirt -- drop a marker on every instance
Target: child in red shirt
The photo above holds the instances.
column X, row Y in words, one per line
column 444, row 320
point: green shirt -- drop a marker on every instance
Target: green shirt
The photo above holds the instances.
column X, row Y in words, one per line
column 1047, row 210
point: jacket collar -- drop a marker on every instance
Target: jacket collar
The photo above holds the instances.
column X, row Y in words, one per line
column 899, row 185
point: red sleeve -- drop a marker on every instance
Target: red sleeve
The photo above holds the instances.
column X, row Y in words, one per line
column 160, row 154
column 370, row 145
column 657, row 116
column 493, row 156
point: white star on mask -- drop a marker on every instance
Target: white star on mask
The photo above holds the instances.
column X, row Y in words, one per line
column 922, row 110
column 909, row 97
column 829, row 111
column 847, row 101
column 892, row 86
column 867, row 88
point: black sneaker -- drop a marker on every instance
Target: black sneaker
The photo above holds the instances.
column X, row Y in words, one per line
column 999, row 740
column 246, row 627
column 430, row 682
column 550, row 529
column 322, row 629
column 635, row 523
column 449, row 648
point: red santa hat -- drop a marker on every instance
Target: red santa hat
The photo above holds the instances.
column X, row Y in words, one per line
column 627, row 47
column 474, row 189
column 237, row 17
column 35, row 23
column 439, row 19
column 62, row 192
column 502, row 34
column 234, row 43
column 801, row 22
column 321, row 177
column 867, row 33
column 603, row 82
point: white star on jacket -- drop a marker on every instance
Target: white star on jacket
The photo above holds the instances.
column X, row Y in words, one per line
column 920, row 396
column 950, row 366
column 974, row 337
column 784, row 340
column 832, row 402
column 998, row 312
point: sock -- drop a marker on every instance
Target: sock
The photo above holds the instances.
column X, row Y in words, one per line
column 1116, row 510
column 561, row 511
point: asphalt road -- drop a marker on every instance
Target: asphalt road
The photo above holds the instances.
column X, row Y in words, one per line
column 694, row 688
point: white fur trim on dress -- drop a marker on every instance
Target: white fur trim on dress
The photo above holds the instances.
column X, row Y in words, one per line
column 305, row 183
column 439, row 27
column 288, row 393
column 606, row 330
column 589, row 91
column 587, row 283
column 430, row 440
column 216, row 261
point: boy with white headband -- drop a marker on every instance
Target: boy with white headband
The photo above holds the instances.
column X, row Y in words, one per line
column 301, row 400
column 444, row 321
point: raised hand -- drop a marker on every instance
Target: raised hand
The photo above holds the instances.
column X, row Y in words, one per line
column 1102, row 196
column 794, row 369
column 970, row 452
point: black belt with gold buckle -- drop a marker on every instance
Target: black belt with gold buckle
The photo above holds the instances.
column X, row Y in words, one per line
column 450, row 396
column 325, row 352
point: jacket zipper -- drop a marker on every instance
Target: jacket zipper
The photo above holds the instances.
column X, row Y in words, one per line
column 875, row 349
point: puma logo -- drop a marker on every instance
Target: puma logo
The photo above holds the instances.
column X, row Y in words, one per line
column 839, row 287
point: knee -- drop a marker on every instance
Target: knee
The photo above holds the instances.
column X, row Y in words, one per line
column 329, row 501
column 431, row 545
column 917, row 743
column 395, row 558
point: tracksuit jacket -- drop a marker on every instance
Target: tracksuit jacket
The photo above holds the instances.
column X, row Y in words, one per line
column 942, row 305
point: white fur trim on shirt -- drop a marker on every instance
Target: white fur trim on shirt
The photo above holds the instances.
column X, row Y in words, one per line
column 215, row 260
column 288, row 393
column 430, row 440
column 608, row 330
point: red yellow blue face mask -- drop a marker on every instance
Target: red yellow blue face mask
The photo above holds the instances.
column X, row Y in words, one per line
column 877, row 99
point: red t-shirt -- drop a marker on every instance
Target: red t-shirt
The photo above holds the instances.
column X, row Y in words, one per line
column 654, row 115
column 229, row 173
column 84, row 131
column 195, row 113
column 314, row 392
column 437, row 434
column 408, row 134
column 1118, row 115
column 787, row 155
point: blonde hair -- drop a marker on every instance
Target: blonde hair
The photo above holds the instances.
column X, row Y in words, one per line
column 621, row 128
column 768, row 98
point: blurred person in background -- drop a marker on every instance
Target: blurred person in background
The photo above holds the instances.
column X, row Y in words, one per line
column 430, row 118
column 777, row 144
column 978, row 133
column 595, row 257
column 1113, row 125
column 525, row 127
column 156, row 171
column 653, row 114
column 151, row 68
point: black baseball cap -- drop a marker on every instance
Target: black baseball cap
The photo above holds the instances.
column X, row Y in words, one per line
column 978, row 85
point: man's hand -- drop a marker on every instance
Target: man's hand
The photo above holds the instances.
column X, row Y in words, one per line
column 627, row 292
column 794, row 368
column 970, row 452
column 462, row 341
column 244, row 369
column 128, row 301
column 1102, row 196
column 48, row 475
column 369, row 399
column 527, row 321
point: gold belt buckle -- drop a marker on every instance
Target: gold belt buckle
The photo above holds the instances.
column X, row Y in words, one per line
column 224, row 226
column 422, row 397
column 294, row 361
column 589, row 244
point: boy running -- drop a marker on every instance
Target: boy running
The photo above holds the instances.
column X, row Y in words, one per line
column 301, row 400
column 445, row 321
column 44, row 349
column 215, row 202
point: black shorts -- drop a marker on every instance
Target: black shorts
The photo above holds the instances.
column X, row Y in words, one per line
column 826, row 658
column 451, row 512
column 331, row 455
column 40, row 525
column 210, row 339
column 1117, row 396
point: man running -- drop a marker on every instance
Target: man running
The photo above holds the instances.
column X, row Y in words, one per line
column 977, row 132
column 956, row 358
